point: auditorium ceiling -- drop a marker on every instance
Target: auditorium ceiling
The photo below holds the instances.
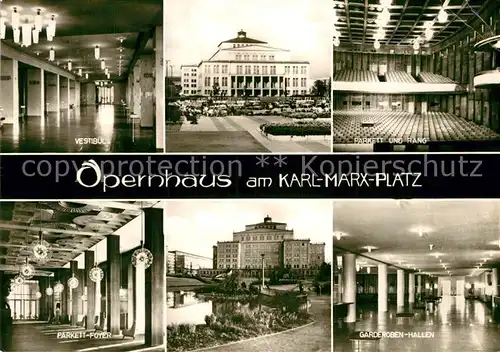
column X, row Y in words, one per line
column 122, row 30
column 437, row 237
column 69, row 227
column 357, row 20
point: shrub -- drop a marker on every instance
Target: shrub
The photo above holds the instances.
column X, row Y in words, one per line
column 310, row 128
column 173, row 114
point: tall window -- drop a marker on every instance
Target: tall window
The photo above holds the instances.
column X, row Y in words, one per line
column 273, row 70
column 287, row 70
column 246, row 57
column 271, row 57
column 264, row 70
column 295, row 70
column 224, row 69
column 239, row 69
column 303, row 82
column 303, row 70
column 248, row 69
column 224, row 81
column 255, row 57
column 216, row 69
column 256, row 70
column 263, row 57
column 295, row 82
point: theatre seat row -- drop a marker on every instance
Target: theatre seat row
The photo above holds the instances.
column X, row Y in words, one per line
column 434, row 127
column 355, row 76
column 428, row 77
column 400, row 77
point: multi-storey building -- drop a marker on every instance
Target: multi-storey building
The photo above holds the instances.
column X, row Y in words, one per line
column 189, row 79
column 181, row 262
column 243, row 66
column 269, row 243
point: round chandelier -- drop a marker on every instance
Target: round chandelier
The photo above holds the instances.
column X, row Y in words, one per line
column 27, row 270
column 49, row 291
column 18, row 280
column 38, row 295
column 96, row 274
column 40, row 251
column 73, row 282
column 58, row 288
column 142, row 258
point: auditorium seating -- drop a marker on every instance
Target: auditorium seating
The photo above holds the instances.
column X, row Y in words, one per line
column 355, row 76
column 434, row 127
column 399, row 77
column 427, row 77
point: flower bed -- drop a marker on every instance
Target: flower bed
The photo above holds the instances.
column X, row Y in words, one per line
column 299, row 128
column 306, row 115
column 227, row 328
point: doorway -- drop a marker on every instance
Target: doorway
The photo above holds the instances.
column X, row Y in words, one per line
column 105, row 95
column 446, row 288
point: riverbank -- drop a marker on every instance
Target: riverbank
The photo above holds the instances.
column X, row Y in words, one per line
column 228, row 328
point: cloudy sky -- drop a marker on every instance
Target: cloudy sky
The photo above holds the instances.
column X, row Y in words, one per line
column 195, row 226
column 194, row 28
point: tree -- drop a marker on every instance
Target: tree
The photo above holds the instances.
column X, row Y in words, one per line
column 320, row 88
column 324, row 272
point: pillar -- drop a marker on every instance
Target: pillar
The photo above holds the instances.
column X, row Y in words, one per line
column 419, row 286
column 9, row 90
column 43, row 301
column 400, row 294
column 77, row 93
column 52, row 95
column 349, row 279
column 131, row 306
column 63, row 93
column 136, row 88
column 411, row 288
column 71, row 86
column 147, row 87
column 76, row 293
column 113, row 276
column 424, row 107
column 63, row 277
column 155, row 277
column 98, row 298
column 494, row 282
column 91, row 289
column 159, row 88
column 140, row 301
column 36, row 92
column 382, row 288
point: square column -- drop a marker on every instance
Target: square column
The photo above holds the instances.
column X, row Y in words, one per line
column 419, row 286
column 155, row 278
column 159, row 87
column 494, row 282
column 131, row 301
column 113, row 276
column 140, row 301
column 64, row 93
column 36, row 92
column 400, row 294
column 349, row 280
column 411, row 288
column 98, row 299
column 71, row 86
column 77, row 93
column 52, row 95
column 147, row 87
column 76, row 293
column 9, row 90
column 135, row 106
column 382, row 288
column 43, row 301
column 91, row 289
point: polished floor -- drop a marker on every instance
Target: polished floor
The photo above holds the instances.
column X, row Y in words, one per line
column 38, row 337
column 91, row 129
column 456, row 325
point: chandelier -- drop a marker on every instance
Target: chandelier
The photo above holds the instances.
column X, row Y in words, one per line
column 49, row 291
column 96, row 274
column 38, row 295
column 18, row 280
column 27, row 270
column 27, row 26
column 13, row 285
column 58, row 288
column 142, row 258
column 73, row 282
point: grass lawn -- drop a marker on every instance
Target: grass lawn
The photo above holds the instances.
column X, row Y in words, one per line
column 183, row 281
column 213, row 142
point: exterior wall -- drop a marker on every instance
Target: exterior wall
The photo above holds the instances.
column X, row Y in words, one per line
column 189, row 80
column 228, row 255
column 182, row 262
column 248, row 70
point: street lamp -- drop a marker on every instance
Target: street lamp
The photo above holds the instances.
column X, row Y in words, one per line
column 263, row 270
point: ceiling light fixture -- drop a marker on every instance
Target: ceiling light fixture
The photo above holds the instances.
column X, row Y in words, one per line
column 442, row 16
column 431, row 246
column 368, row 270
column 51, row 27
column 73, row 282
column 15, row 20
column 38, row 20
column 103, row 65
column 58, row 288
column 358, row 267
column 27, row 270
column 338, row 235
column 26, row 32
column 336, row 41
column 52, row 54
column 97, row 52
column 36, row 36
column 80, row 72
column 17, row 35
column 108, row 75
column 70, row 65
column 3, row 26
column 376, row 45
column 142, row 258
column 416, row 44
